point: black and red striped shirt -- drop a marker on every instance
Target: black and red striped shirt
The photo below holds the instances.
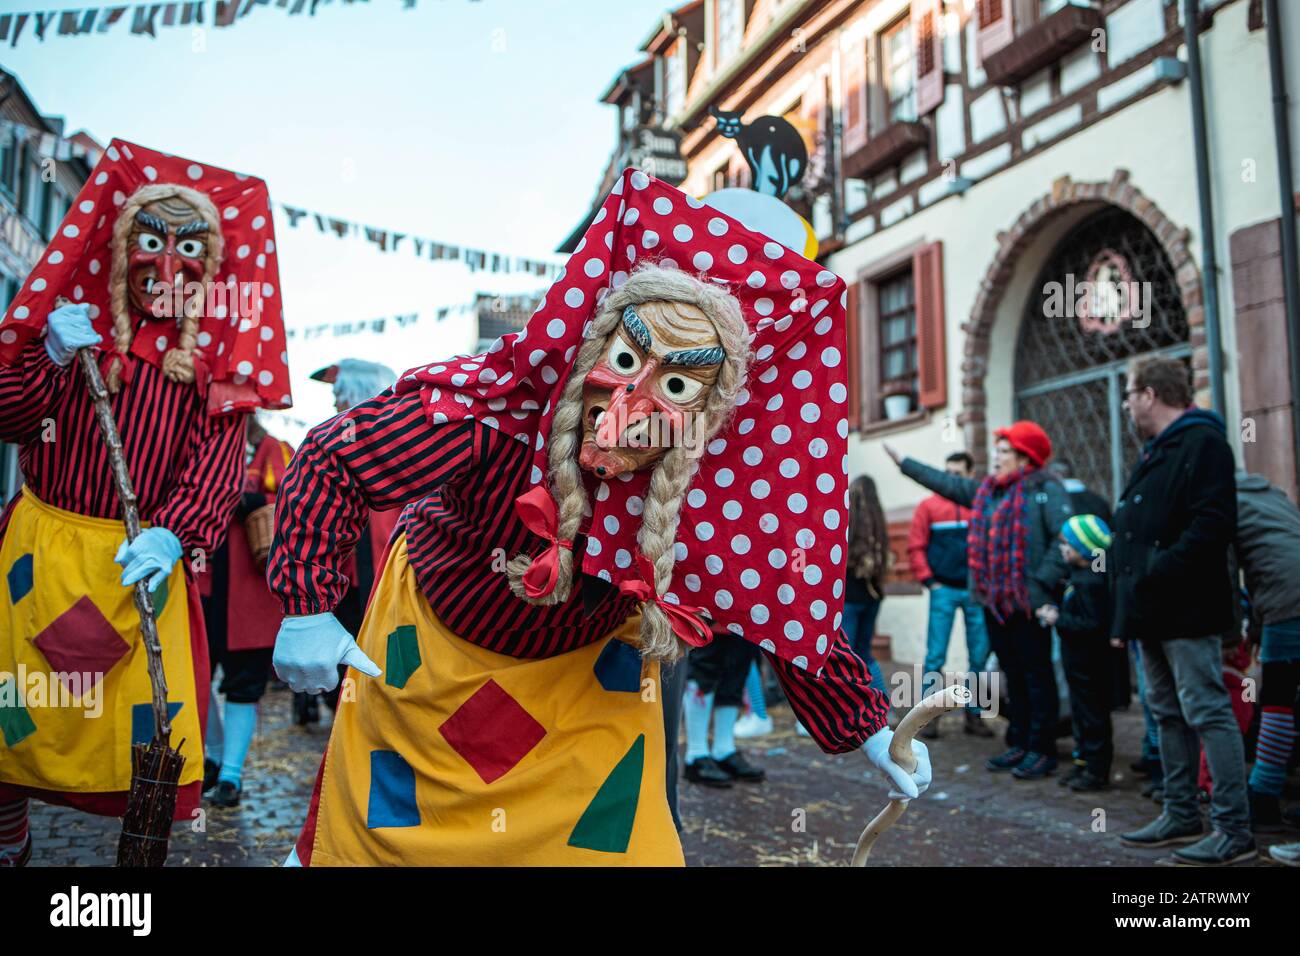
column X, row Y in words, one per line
column 186, row 466
column 459, row 481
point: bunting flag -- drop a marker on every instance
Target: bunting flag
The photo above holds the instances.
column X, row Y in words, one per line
column 146, row 19
column 354, row 328
column 390, row 240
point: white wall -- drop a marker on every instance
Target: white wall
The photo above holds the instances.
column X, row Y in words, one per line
column 1151, row 139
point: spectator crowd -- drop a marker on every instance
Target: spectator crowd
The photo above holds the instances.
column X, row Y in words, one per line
column 1188, row 582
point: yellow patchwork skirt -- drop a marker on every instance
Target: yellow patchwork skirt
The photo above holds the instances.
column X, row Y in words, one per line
column 459, row 756
column 74, row 684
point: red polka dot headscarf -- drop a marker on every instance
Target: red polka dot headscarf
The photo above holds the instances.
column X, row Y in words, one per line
column 239, row 352
column 762, row 537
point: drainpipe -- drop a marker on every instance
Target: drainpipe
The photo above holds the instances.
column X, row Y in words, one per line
column 1286, row 190
column 1209, row 260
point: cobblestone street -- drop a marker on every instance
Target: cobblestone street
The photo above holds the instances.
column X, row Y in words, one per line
column 969, row 816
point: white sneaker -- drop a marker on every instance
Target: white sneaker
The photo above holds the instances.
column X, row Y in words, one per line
column 752, row 725
column 1286, row 853
column 801, row 730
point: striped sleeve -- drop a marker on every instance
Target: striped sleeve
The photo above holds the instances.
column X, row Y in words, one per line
column 200, row 503
column 28, row 389
column 380, row 455
column 839, row 707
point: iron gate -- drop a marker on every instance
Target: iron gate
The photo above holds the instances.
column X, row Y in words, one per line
column 1069, row 368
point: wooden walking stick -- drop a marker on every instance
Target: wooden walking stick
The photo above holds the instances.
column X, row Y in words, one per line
column 900, row 750
column 155, row 766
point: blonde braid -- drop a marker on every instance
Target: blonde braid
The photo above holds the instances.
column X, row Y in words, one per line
column 670, row 480
column 562, row 458
column 671, row 476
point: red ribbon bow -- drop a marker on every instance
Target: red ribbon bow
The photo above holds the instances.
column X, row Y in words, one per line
column 106, row 355
column 536, row 509
column 685, row 620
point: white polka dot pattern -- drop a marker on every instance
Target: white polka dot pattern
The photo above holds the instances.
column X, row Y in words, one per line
column 243, row 355
column 752, row 545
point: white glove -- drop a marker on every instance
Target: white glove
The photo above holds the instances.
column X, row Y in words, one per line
column 309, row 650
column 152, row 554
column 67, row 329
column 906, row 786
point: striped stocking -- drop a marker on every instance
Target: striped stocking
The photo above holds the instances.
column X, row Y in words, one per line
column 1276, row 736
column 13, row 827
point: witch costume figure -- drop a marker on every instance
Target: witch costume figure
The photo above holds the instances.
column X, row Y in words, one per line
column 658, row 457
column 353, row 381
column 241, row 617
column 167, row 268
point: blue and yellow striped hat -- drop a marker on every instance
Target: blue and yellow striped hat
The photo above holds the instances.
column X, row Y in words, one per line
column 1087, row 534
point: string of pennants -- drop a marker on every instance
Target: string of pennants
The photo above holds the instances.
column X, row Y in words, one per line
column 386, row 240
column 377, row 326
column 336, row 329
column 389, row 240
column 147, row 18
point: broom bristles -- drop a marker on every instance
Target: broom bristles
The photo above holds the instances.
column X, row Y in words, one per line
column 147, row 823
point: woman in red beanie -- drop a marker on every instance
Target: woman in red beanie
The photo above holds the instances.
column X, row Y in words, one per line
column 1018, row 513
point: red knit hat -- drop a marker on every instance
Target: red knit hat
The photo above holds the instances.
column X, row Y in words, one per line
column 1028, row 439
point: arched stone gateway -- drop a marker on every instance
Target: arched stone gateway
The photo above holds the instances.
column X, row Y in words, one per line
column 1184, row 283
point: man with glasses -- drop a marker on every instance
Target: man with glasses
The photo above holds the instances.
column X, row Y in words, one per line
column 1173, row 591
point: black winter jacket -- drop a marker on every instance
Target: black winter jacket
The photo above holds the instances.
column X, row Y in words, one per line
column 1082, row 596
column 1173, row 527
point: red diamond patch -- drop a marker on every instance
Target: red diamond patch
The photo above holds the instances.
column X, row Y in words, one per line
column 81, row 641
column 492, row 731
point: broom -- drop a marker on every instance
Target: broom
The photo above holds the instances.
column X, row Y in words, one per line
column 155, row 766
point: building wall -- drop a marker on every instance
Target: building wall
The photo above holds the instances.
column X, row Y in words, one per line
column 1152, row 140
column 51, row 186
column 1090, row 129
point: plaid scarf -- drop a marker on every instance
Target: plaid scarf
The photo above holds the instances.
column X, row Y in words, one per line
column 996, row 546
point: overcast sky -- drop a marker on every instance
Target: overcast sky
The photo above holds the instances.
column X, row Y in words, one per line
column 472, row 122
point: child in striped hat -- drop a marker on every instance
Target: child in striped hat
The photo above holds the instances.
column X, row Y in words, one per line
column 1081, row 616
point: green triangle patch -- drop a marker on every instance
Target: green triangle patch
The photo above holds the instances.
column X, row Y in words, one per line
column 159, row 599
column 606, row 824
column 403, row 656
column 15, row 723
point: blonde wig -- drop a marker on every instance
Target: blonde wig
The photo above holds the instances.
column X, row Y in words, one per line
column 672, row 474
column 178, row 363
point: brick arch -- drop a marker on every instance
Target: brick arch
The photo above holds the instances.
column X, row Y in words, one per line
column 1013, row 242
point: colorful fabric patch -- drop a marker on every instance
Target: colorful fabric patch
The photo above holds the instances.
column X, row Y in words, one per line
column 606, row 824
column 81, row 641
column 392, row 791
column 160, row 599
column 142, row 721
column 619, row 667
column 20, row 578
column 492, row 731
column 403, row 656
column 15, row 723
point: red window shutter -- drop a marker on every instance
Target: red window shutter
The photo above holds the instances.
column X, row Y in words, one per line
column 929, row 54
column 854, row 320
column 932, row 359
column 855, row 98
column 813, row 106
column 995, row 27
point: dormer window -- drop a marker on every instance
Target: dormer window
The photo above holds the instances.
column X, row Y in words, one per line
column 897, row 71
column 730, row 25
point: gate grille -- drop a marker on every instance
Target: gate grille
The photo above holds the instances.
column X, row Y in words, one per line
column 1071, row 380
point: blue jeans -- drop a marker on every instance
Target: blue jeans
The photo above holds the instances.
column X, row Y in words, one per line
column 860, row 628
column 1151, row 738
column 944, row 603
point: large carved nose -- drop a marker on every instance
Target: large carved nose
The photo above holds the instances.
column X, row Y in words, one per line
column 627, row 405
